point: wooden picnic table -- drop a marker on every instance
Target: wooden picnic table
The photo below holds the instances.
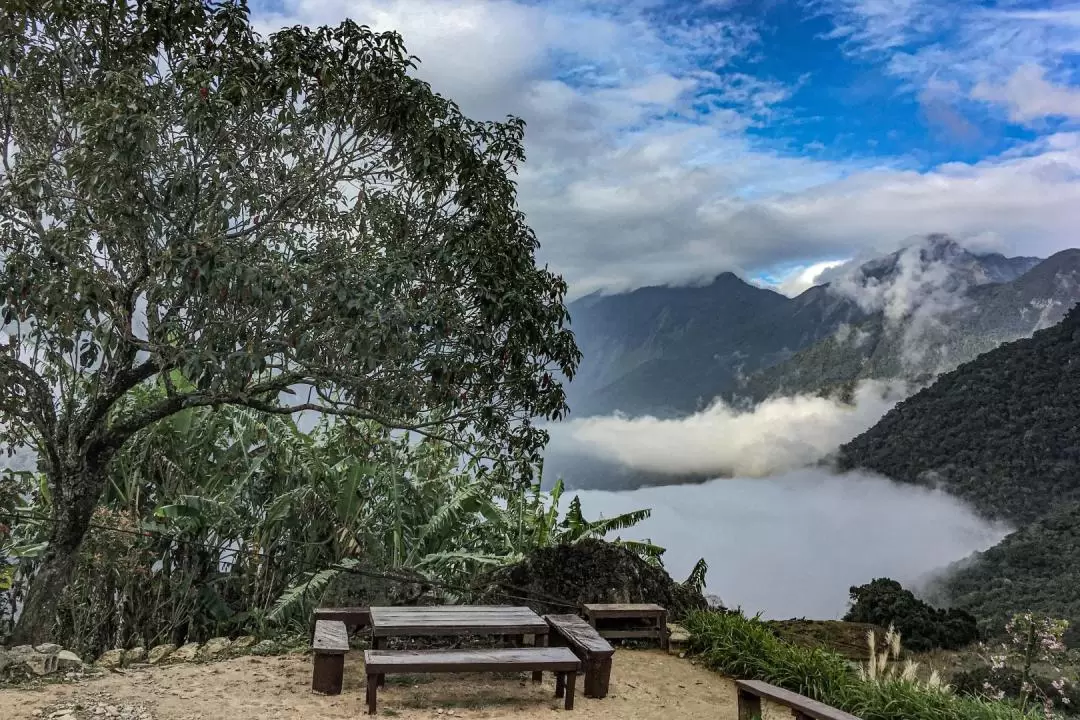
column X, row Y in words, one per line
column 457, row 620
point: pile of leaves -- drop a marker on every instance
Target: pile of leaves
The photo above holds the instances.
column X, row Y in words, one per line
column 885, row 602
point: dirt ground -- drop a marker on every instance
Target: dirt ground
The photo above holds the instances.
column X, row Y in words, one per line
column 645, row 684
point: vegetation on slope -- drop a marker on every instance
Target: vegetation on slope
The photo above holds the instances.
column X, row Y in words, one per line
column 1036, row 568
column 885, row 603
column 1002, row 431
column 746, row 648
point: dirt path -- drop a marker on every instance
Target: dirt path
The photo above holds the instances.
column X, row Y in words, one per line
column 644, row 685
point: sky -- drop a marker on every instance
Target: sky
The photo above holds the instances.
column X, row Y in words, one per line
column 670, row 140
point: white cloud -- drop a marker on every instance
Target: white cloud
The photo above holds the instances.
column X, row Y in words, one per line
column 1029, row 96
column 629, row 182
column 808, row 529
column 779, row 434
column 804, row 278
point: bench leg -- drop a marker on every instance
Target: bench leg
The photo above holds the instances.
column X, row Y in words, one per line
column 571, row 681
column 539, row 641
column 749, row 706
column 663, row 631
column 597, row 674
column 326, row 673
column 372, row 691
column 560, row 684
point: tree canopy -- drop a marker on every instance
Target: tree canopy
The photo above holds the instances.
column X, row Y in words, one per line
column 286, row 223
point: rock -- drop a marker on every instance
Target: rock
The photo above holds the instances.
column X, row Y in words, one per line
column 185, row 653
column 67, row 660
column 136, row 654
column 111, row 658
column 48, row 648
column 243, row 642
column 159, row 653
column 41, row 663
column 215, row 647
column 6, row 659
column 265, row 647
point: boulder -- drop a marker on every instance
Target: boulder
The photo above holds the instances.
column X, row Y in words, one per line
column 41, row 663
column 215, row 647
column 159, row 653
column 48, row 648
column 244, row 642
column 186, row 653
column 136, row 654
column 67, row 660
column 111, row 659
column 560, row 579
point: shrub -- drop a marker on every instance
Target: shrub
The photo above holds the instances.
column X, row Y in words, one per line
column 884, row 602
column 1009, row 681
column 745, row 648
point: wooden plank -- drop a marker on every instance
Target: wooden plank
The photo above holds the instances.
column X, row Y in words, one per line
column 456, row 620
column 623, row 610
column 580, row 634
column 378, row 662
column 356, row 617
column 799, row 703
column 626, row 634
column 330, row 638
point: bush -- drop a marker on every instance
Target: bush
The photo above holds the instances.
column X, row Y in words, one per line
column 745, row 648
column 1009, row 681
column 884, row 602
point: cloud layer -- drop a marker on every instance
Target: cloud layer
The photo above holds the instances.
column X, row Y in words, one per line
column 777, row 435
column 791, row 546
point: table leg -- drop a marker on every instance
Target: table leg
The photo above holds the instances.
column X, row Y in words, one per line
column 571, row 680
column 663, row 630
column 560, row 684
column 540, row 641
column 372, row 691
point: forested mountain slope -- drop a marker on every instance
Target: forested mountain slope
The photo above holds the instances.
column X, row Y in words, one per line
column 1001, row 431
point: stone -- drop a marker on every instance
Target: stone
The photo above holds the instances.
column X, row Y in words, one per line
column 111, row 658
column 185, row 653
column 159, row 653
column 243, row 642
column 67, row 660
column 41, row 663
column 48, row 648
column 265, row 647
column 136, row 654
column 215, row 647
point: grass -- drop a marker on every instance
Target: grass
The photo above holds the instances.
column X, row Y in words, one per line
column 746, row 648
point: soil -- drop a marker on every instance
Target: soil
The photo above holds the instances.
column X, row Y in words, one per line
column 645, row 684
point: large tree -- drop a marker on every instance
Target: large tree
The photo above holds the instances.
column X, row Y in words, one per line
column 287, row 223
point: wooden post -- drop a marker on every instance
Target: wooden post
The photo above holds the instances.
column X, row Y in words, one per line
column 560, row 684
column 539, row 641
column 326, row 673
column 571, row 680
column 749, row 706
column 663, row 631
column 372, row 690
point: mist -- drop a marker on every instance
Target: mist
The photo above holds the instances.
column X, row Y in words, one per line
column 792, row 545
column 778, row 434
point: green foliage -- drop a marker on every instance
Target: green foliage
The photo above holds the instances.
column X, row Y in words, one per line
column 316, row 229
column 885, row 603
column 1036, row 568
column 746, row 648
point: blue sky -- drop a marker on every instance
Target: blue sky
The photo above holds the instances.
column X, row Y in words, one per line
column 670, row 140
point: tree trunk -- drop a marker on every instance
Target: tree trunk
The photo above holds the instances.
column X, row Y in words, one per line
column 75, row 496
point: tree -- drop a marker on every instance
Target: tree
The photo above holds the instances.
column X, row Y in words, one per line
column 291, row 223
column 886, row 603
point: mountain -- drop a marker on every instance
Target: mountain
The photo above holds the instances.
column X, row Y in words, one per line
column 1001, row 431
column 974, row 309
column 670, row 351
column 1036, row 568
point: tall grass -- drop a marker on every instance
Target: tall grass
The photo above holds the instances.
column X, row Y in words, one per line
column 745, row 648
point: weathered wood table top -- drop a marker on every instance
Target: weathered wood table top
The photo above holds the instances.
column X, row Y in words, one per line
column 456, row 620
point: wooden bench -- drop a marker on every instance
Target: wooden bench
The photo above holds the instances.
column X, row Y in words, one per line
column 561, row 661
column 752, row 692
column 328, row 647
column 655, row 617
column 594, row 651
column 355, row 618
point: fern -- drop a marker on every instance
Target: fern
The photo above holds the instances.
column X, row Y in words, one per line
column 294, row 597
column 696, row 579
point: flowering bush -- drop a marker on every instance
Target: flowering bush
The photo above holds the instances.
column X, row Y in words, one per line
column 1033, row 641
